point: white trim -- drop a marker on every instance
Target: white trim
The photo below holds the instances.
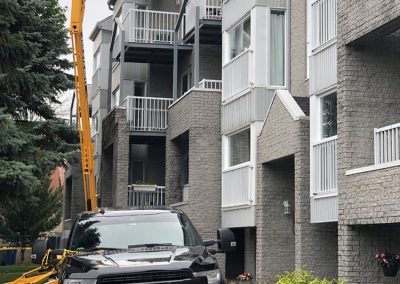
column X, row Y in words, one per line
column 236, row 167
column 326, row 194
column 373, row 168
column 291, row 105
column 235, row 207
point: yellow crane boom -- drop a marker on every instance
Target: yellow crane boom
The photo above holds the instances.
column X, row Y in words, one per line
column 82, row 104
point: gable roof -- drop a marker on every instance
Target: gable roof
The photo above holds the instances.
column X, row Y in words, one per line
column 291, row 105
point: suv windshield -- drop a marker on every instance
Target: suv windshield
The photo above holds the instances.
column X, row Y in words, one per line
column 123, row 231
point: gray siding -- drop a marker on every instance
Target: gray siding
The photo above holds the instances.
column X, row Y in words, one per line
column 246, row 109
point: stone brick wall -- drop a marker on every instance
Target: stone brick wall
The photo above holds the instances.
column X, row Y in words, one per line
column 198, row 114
column 74, row 197
column 115, row 137
column 371, row 197
column 357, row 18
column 298, row 48
column 358, row 246
column 313, row 245
column 368, row 88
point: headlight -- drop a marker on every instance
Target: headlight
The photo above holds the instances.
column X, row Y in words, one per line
column 79, row 281
column 213, row 276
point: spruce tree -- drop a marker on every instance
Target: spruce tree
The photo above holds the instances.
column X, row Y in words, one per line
column 33, row 72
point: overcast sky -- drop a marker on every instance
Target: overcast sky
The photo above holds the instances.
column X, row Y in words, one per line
column 96, row 10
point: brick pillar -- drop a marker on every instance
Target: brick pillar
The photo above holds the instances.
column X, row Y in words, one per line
column 120, row 160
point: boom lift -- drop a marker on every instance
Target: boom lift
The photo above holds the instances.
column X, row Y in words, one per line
column 47, row 273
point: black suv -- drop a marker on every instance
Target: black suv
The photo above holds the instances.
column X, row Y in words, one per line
column 141, row 246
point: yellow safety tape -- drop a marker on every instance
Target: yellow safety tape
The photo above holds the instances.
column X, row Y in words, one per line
column 15, row 248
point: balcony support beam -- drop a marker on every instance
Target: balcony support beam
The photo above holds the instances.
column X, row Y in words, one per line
column 196, row 48
column 175, row 68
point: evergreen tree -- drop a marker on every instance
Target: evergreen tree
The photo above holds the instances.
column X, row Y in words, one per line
column 23, row 222
column 33, row 45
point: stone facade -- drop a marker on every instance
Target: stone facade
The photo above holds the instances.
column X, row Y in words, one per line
column 368, row 87
column 288, row 241
column 196, row 116
column 115, row 160
column 74, row 198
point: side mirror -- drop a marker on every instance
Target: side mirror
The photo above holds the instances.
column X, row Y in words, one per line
column 226, row 240
column 39, row 249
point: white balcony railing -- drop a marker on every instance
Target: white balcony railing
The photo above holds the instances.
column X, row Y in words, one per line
column 209, row 10
column 325, row 165
column 147, row 113
column 386, row 144
column 139, row 197
column 237, row 186
column 323, row 22
column 236, row 74
column 146, row 26
column 212, row 85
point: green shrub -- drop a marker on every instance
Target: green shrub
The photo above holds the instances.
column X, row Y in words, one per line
column 301, row 276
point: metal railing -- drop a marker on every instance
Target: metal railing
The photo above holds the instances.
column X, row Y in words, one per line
column 323, row 21
column 236, row 186
column 386, row 144
column 236, row 74
column 208, row 9
column 325, row 165
column 213, row 85
column 137, row 197
column 213, row 10
column 147, row 113
column 147, row 26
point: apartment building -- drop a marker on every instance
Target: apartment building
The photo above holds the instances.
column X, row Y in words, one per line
column 159, row 62
column 275, row 118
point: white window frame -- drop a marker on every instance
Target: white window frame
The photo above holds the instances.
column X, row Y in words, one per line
column 315, row 115
column 190, row 83
column 115, row 98
column 228, row 50
column 227, row 149
column 287, row 52
column 96, row 61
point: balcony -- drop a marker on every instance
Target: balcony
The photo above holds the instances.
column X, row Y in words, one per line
column 325, row 168
column 236, row 75
column 147, row 113
column 149, row 36
column 210, row 17
column 324, row 201
column 145, row 195
column 237, row 187
column 386, row 144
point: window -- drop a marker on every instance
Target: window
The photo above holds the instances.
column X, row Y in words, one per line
column 96, row 61
column 140, row 89
column 323, row 21
column 277, row 48
column 239, row 38
column 187, row 81
column 95, row 123
column 115, row 98
column 328, row 115
column 239, row 148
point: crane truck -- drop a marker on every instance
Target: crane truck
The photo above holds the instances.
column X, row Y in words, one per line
column 123, row 246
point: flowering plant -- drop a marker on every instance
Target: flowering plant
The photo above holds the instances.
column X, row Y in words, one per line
column 387, row 258
column 244, row 276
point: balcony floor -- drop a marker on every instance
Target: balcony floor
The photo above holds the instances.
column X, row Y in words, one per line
column 155, row 53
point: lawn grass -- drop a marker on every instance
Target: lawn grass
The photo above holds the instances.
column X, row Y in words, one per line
column 12, row 272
